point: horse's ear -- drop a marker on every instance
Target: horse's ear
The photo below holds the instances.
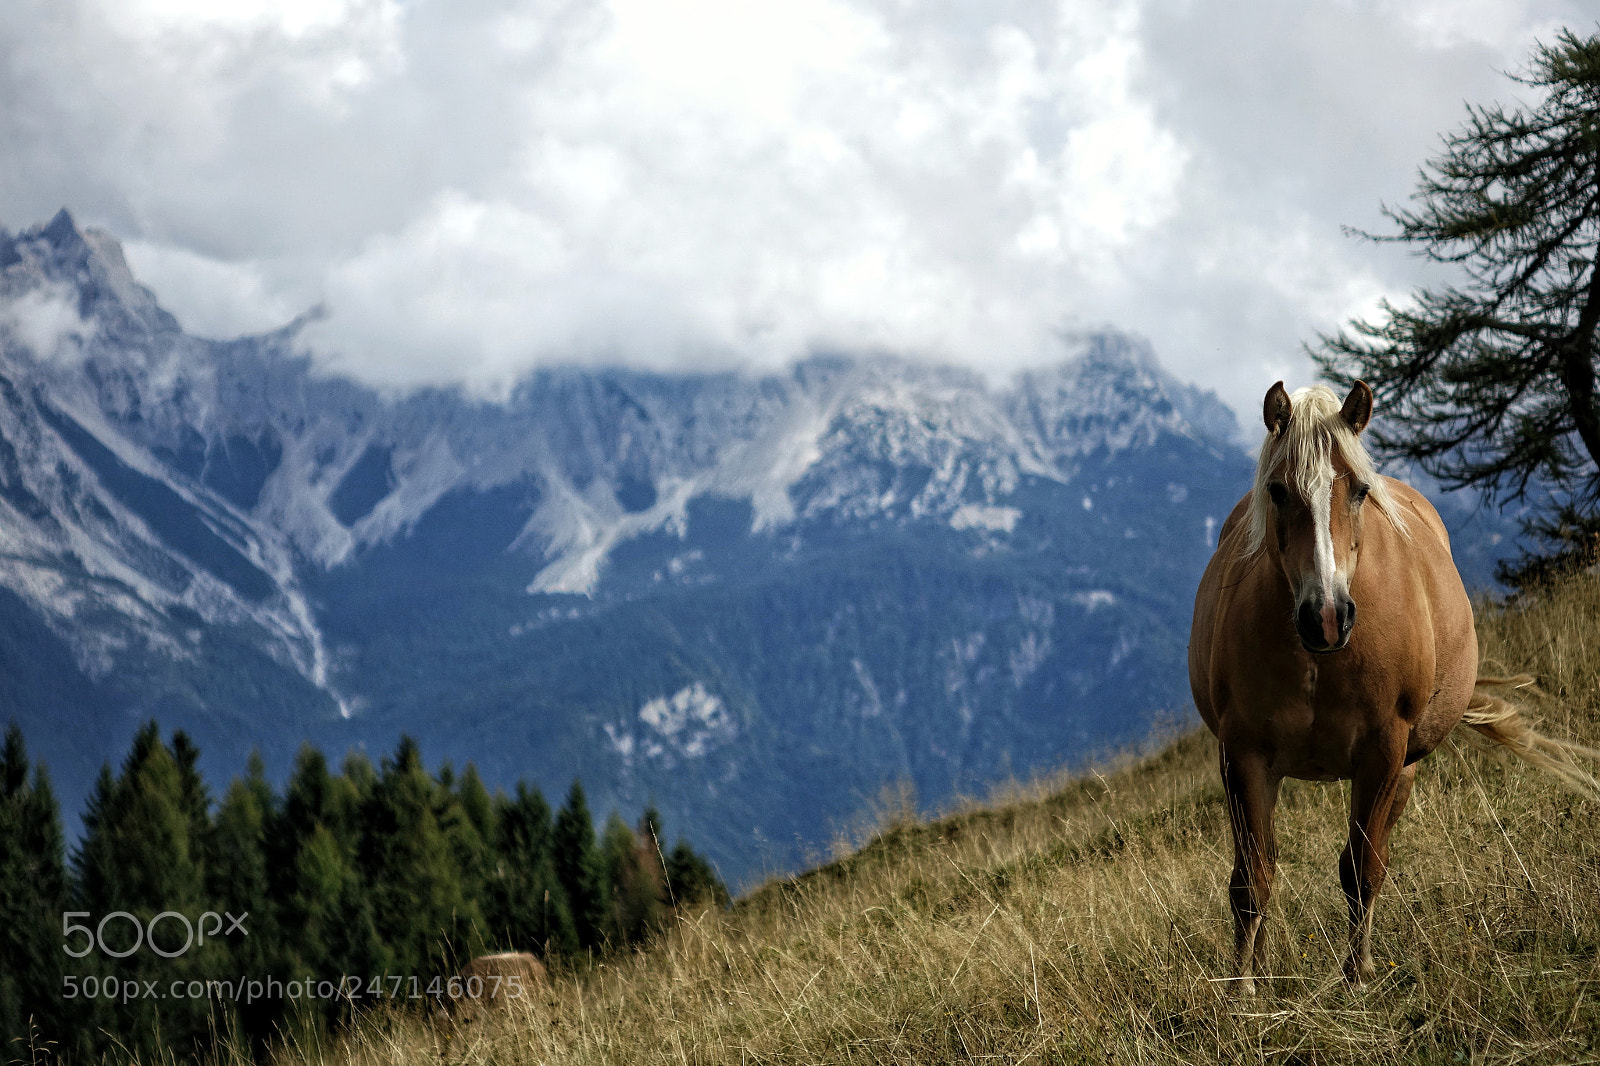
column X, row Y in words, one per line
column 1275, row 410
column 1357, row 409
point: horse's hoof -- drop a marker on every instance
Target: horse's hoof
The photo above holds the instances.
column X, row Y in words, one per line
column 1357, row 974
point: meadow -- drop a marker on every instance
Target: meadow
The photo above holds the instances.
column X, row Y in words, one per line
column 1085, row 920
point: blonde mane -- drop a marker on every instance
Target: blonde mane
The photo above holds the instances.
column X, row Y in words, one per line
column 1302, row 455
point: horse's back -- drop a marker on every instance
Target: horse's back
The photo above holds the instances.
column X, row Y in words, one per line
column 1418, row 508
column 1445, row 627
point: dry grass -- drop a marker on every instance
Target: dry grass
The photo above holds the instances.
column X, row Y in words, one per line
column 1087, row 922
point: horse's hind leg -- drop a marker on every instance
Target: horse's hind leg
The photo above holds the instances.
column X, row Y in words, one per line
column 1252, row 792
column 1377, row 796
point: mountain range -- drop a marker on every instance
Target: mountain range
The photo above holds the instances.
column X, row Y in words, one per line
column 754, row 600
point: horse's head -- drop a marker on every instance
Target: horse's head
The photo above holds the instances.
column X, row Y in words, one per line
column 1314, row 482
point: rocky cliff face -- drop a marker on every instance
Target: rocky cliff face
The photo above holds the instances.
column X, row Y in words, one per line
column 117, row 553
column 753, row 600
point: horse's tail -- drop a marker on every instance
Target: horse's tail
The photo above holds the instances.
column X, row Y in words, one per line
column 1496, row 725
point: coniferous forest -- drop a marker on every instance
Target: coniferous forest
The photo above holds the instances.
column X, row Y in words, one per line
column 180, row 919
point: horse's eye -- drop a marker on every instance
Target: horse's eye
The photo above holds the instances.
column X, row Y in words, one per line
column 1360, row 495
column 1279, row 493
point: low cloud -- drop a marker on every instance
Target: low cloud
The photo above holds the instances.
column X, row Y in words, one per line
column 45, row 321
column 476, row 188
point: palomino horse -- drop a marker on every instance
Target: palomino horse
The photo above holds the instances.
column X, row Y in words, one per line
column 1293, row 687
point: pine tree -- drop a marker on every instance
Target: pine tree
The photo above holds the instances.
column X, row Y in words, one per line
column 138, row 851
column 353, row 944
column 421, row 913
column 318, row 884
column 139, row 856
column 525, row 903
column 237, row 884
column 236, row 875
column 634, row 882
column 467, row 817
column 476, row 803
column 13, row 763
column 655, row 893
column 578, row 868
column 33, row 896
column 16, row 923
column 1493, row 382
column 307, row 799
column 692, row 881
column 94, row 874
column 357, row 770
column 195, row 796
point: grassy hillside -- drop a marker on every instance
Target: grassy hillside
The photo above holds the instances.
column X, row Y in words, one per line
column 1086, row 921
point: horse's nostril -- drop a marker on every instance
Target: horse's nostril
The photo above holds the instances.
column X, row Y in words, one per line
column 1308, row 622
column 1325, row 628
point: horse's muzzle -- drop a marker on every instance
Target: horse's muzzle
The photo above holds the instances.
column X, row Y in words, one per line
column 1325, row 628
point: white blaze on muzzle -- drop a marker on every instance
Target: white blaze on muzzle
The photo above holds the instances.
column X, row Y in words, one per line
column 1327, row 569
column 1324, row 586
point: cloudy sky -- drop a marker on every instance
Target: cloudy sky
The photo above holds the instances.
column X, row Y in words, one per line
column 474, row 187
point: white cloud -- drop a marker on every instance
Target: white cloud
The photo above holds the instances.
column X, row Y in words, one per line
column 218, row 298
column 475, row 187
column 46, row 322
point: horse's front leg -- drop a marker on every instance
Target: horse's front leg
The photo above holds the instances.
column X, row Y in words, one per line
column 1378, row 794
column 1252, row 791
